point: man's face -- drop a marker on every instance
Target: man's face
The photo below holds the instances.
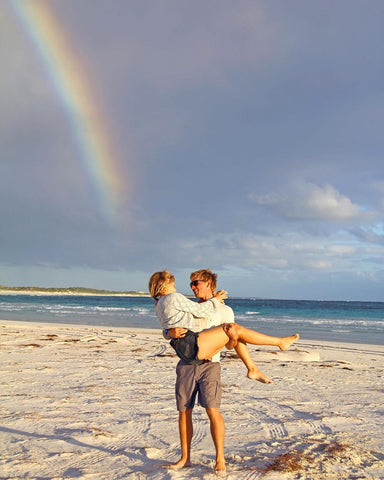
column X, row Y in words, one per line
column 201, row 289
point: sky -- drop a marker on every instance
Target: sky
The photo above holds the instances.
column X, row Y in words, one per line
column 242, row 136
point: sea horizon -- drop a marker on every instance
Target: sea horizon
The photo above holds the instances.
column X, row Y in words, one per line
column 89, row 291
column 346, row 321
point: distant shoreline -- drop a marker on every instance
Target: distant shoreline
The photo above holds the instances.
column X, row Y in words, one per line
column 70, row 291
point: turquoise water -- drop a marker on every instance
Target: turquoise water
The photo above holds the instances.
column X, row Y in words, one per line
column 356, row 322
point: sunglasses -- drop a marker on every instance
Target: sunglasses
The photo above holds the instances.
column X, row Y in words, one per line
column 194, row 283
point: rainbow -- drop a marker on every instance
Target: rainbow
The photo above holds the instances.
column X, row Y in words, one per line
column 75, row 92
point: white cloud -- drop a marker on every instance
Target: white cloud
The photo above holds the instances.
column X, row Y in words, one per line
column 342, row 249
column 288, row 253
column 327, row 203
column 307, row 201
column 319, row 264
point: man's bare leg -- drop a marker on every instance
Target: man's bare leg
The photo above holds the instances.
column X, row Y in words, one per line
column 218, row 434
column 253, row 372
column 186, row 434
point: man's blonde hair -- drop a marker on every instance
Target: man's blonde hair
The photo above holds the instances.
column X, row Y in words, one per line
column 158, row 281
column 206, row 275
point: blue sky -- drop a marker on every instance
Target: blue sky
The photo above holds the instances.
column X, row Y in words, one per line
column 250, row 136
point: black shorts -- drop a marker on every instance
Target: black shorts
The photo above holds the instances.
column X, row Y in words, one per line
column 186, row 348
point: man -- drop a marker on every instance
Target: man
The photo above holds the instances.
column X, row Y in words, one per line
column 204, row 284
column 204, row 380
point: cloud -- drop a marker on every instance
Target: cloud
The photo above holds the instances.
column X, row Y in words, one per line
column 370, row 234
column 195, row 43
column 284, row 253
column 378, row 186
column 308, row 201
column 207, row 101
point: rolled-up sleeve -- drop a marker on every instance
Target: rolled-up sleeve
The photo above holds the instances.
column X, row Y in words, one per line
column 199, row 310
column 176, row 310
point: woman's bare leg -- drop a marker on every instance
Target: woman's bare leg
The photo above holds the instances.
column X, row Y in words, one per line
column 237, row 332
column 253, row 372
column 213, row 340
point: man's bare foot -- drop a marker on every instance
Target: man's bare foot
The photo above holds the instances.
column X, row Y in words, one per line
column 256, row 374
column 286, row 342
column 220, row 467
column 180, row 464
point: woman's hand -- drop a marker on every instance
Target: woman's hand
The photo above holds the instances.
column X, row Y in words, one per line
column 177, row 332
column 221, row 295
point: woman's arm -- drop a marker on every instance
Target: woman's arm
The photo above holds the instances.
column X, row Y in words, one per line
column 199, row 310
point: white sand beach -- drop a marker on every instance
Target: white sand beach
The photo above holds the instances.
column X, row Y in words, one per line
column 98, row 403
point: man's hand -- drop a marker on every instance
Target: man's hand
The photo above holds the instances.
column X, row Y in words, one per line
column 177, row 332
column 221, row 295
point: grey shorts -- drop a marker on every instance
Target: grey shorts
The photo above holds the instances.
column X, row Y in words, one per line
column 202, row 380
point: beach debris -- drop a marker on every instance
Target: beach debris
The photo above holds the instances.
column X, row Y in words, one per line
column 288, row 462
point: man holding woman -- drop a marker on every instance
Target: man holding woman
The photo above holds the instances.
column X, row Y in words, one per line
column 199, row 368
column 200, row 379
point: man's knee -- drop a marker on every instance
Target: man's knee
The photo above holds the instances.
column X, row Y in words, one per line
column 213, row 413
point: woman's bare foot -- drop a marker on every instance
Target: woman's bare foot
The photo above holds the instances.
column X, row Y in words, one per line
column 182, row 463
column 256, row 374
column 286, row 342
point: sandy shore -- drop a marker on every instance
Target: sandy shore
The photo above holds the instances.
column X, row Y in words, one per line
column 98, row 403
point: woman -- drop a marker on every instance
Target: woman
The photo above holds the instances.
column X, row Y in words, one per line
column 175, row 310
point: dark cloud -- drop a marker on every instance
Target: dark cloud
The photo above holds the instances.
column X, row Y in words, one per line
column 249, row 140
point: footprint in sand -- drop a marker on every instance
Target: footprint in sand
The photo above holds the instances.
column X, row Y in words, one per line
column 278, row 431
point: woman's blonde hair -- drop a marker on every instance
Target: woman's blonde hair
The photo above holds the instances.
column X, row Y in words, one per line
column 158, row 281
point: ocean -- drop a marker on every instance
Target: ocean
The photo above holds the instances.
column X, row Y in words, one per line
column 353, row 322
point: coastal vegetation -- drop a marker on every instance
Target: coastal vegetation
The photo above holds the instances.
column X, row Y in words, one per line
column 66, row 291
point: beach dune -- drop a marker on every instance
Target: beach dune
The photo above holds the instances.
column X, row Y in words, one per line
column 85, row 402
